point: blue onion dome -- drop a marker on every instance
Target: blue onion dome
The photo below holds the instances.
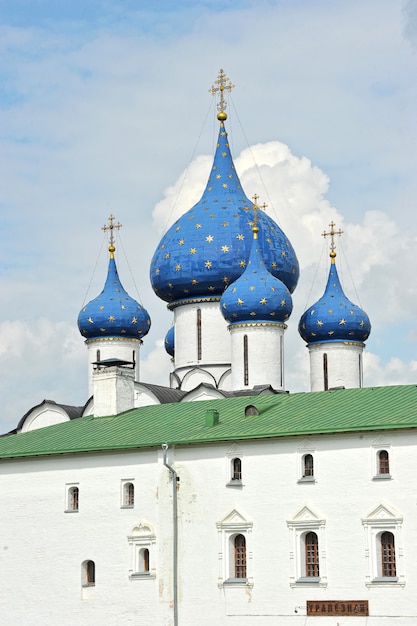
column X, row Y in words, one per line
column 334, row 317
column 256, row 296
column 113, row 313
column 208, row 248
column 170, row 341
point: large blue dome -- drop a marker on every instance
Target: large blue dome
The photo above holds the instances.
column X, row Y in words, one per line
column 113, row 313
column 256, row 296
column 334, row 317
column 208, row 248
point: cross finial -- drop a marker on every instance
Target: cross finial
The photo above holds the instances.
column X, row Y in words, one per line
column 332, row 234
column 256, row 208
column 221, row 85
column 111, row 227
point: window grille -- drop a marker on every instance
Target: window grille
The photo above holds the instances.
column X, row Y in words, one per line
column 129, row 493
column 312, row 555
column 308, row 469
column 388, row 554
column 383, row 462
column 236, row 469
column 240, row 556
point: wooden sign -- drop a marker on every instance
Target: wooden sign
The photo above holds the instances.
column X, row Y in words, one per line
column 338, row 607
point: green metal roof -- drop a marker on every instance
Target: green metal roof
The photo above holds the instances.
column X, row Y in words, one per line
column 280, row 415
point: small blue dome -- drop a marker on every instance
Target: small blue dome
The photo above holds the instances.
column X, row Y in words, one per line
column 208, row 248
column 170, row 341
column 334, row 317
column 256, row 296
column 113, row 313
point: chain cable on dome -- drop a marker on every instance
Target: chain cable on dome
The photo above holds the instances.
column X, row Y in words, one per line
column 94, row 269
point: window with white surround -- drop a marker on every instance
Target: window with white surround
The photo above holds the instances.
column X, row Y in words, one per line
column 72, row 498
column 306, row 465
column 234, row 466
column 383, row 547
column 381, row 460
column 142, row 541
column 307, row 551
column 128, row 494
column 235, row 556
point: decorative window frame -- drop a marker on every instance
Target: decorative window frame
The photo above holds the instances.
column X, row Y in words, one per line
column 376, row 449
column 305, row 521
column 384, row 518
column 234, row 452
column 69, row 489
column 142, row 537
column 124, row 485
column 301, row 454
column 233, row 524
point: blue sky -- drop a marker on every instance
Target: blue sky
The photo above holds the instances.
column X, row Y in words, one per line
column 105, row 105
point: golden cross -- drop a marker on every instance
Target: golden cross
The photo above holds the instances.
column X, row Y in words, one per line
column 111, row 227
column 331, row 234
column 223, row 84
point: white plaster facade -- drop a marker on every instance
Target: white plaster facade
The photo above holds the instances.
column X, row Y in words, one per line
column 337, row 364
column 43, row 545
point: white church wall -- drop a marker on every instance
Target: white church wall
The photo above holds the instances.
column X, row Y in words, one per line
column 344, row 365
column 269, row 505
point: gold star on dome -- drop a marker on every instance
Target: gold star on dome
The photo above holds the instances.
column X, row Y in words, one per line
column 274, row 265
column 226, row 279
column 283, row 253
column 312, row 311
column 272, row 314
column 90, row 321
column 198, row 225
column 157, row 270
column 134, row 320
column 224, row 154
column 209, row 238
column 170, row 285
column 193, row 250
column 230, row 176
column 212, row 216
column 283, row 302
column 194, row 282
column 362, row 323
column 211, row 288
column 263, row 301
column 225, row 185
column 269, row 240
column 177, row 229
column 239, row 301
column 101, row 307
column 225, row 224
column 208, row 264
column 252, row 313
column 224, row 305
column 242, row 263
column 210, row 189
column 181, row 242
column 330, row 311
column 352, row 312
column 123, row 307
column 111, row 318
column 223, row 134
column 241, row 237
column 342, row 322
column 218, row 176
column 163, row 246
column 319, row 323
column 177, row 267
column 234, row 290
column 331, row 332
column 225, row 248
column 167, row 255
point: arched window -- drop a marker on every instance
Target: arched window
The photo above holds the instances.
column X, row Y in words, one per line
column 325, row 373
column 98, row 355
column 199, row 348
column 128, row 494
column 144, row 560
column 245, row 361
column 308, row 465
column 383, row 462
column 236, row 469
column 73, row 498
column 88, row 573
column 311, row 544
column 240, row 556
column 388, row 567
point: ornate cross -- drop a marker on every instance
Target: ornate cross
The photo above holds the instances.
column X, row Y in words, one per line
column 331, row 234
column 223, row 84
column 111, row 227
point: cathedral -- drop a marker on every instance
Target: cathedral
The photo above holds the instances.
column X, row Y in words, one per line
column 221, row 498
